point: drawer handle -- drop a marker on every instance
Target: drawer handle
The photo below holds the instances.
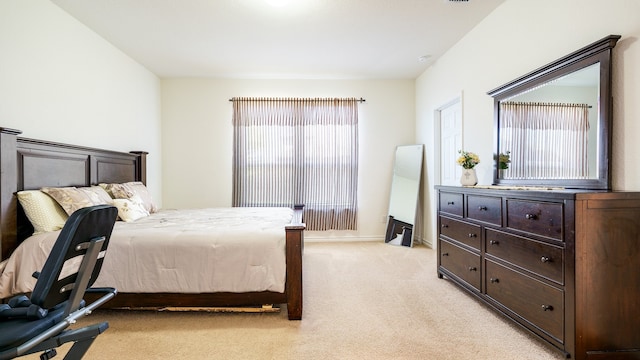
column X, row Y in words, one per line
column 473, row 268
column 545, row 259
column 445, row 254
column 482, row 208
column 547, row 308
column 472, row 235
column 444, row 226
column 530, row 216
column 494, row 242
column 494, row 280
column 450, row 203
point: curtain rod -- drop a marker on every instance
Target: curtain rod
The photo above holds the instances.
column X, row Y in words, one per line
column 361, row 100
column 545, row 104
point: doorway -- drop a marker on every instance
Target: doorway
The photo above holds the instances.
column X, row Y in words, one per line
column 448, row 136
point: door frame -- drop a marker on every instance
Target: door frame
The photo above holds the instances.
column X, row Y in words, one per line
column 437, row 133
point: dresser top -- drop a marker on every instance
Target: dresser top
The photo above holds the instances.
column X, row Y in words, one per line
column 540, row 192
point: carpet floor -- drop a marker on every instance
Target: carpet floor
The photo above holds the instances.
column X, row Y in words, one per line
column 362, row 300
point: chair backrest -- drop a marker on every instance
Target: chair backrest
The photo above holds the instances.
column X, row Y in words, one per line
column 87, row 230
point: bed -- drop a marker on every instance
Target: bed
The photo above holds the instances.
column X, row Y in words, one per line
column 27, row 164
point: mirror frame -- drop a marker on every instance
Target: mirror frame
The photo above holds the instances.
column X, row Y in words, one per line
column 597, row 52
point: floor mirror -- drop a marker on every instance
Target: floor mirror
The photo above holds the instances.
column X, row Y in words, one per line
column 403, row 199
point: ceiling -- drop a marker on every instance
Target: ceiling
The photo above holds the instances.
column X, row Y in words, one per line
column 304, row 39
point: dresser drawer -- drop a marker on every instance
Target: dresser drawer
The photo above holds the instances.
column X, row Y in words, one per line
column 535, row 301
column 466, row 233
column 485, row 208
column 540, row 258
column 451, row 203
column 462, row 263
column 536, row 217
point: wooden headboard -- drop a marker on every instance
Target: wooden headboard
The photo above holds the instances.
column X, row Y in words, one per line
column 28, row 164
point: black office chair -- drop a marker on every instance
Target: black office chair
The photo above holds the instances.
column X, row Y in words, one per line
column 39, row 323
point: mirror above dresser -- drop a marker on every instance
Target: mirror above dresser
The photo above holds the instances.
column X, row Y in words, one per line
column 552, row 126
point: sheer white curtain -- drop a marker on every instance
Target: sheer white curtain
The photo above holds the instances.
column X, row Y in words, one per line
column 546, row 140
column 298, row 151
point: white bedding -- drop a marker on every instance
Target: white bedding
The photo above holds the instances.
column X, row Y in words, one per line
column 177, row 251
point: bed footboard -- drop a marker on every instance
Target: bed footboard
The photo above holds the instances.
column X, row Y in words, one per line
column 295, row 248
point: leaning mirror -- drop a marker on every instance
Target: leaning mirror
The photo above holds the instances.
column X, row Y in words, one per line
column 403, row 199
column 553, row 125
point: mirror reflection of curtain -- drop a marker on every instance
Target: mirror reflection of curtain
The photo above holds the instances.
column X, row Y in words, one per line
column 545, row 140
column 298, row 151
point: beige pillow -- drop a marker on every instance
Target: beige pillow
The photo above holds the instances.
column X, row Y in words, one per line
column 71, row 198
column 44, row 213
column 130, row 209
column 130, row 189
column 97, row 194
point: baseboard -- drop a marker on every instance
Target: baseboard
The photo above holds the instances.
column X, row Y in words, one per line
column 343, row 238
column 321, row 238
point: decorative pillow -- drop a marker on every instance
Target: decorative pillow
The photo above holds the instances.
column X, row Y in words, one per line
column 130, row 209
column 97, row 194
column 119, row 191
column 130, row 189
column 43, row 212
column 71, row 198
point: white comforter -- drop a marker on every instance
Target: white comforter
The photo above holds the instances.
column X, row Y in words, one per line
column 177, row 251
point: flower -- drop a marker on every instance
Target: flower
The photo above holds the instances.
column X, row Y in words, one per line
column 504, row 159
column 468, row 159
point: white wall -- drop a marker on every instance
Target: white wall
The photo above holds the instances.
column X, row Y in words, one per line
column 518, row 37
column 60, row 81
column 197, row 139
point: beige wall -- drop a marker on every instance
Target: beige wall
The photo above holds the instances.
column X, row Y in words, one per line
column 518, row 37
column 197, row 139
column 60, row 81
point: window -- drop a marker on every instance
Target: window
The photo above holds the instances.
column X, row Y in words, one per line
column 298, row 151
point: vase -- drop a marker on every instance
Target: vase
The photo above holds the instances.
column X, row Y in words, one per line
column 468, row 177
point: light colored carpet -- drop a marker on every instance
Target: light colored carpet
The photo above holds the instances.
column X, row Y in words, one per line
column 362, row 300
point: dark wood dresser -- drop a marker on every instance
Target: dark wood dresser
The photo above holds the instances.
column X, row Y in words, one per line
column 564, row 264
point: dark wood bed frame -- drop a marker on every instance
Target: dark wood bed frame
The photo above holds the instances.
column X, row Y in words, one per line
column 27, row 164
